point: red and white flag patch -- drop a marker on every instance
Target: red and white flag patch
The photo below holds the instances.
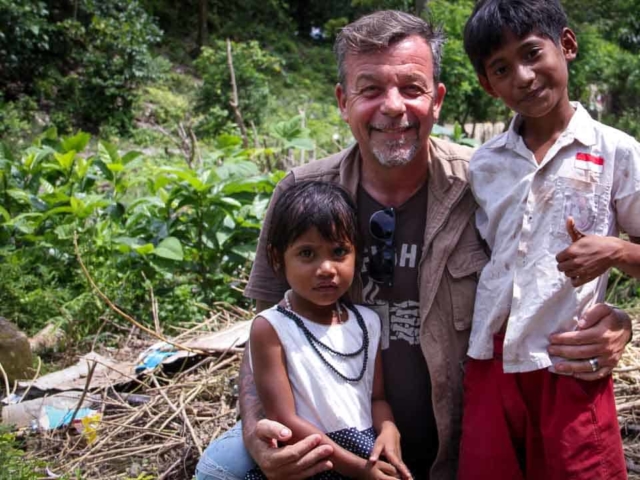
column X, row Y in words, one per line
column 586, row 161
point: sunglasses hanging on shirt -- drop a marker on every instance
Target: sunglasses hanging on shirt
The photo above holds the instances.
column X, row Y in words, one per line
column 382, row 227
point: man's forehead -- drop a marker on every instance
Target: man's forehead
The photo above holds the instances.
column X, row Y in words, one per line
column 410, row 56
column 409, row 75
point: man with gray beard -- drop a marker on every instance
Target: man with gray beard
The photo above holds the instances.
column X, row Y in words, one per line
column 420, row 261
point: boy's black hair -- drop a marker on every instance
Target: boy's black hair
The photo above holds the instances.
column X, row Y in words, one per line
column 325, row 206
column 485, row 30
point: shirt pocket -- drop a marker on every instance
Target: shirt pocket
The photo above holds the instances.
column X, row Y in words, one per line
column 586, row 202
column 464, row 267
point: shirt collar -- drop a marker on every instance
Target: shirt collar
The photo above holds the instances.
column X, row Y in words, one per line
column 581, row 128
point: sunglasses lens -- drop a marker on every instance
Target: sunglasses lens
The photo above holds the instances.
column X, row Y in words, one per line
column 383, row 225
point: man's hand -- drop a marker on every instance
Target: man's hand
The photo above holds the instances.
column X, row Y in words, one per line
column 388, row 445
column 380, row 470
column 602, row 334
column 291, row 462
column 589, row 256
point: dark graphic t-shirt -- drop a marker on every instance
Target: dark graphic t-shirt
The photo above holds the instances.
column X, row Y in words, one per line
column 406, row 376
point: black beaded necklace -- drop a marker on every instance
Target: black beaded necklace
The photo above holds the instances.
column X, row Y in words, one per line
column 315, row 342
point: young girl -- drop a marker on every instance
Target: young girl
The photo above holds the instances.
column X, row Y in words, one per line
column 315, row 356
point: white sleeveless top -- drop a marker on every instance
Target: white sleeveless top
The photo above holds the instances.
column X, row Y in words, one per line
column 321, row 396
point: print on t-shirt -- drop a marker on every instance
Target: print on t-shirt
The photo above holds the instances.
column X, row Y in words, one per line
column 401, row 320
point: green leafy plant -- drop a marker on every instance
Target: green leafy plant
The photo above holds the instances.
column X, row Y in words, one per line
column 188, row 233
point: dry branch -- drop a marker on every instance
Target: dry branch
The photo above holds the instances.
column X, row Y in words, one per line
column 235, row 104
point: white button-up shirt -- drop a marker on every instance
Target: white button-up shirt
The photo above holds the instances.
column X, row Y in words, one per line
column 591, row 173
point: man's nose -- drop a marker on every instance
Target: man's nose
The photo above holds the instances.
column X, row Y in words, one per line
column 524, row 76
column 393, row 103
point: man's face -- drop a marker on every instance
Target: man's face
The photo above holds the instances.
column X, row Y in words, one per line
column 390, row 101
column 530, row 74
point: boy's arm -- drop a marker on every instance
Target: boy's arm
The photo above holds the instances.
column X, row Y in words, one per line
column 274, row 390
column 388, row 440
column 592, row 255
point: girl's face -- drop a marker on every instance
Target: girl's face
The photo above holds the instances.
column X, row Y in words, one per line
column 318, row 271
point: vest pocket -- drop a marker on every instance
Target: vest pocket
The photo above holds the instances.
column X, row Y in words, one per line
column 464, row 267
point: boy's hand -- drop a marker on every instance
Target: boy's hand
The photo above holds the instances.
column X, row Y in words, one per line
column 588, row 257
column 388, row 445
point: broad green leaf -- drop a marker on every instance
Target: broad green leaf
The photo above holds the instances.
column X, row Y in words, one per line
column 78, row 142
column 65, row 160
column 64, row 232
column 45, row 186
column 145, row 249
column 77, row 205
column 82, row 166
column 186, row 175
column 237, row 169
column 129, row 241
column 108, row 153
column 50, row 134
column 301, row 144
column 115, row 167
column 26, row 223
column 19, row 195
column 5, row 153
column 5, row 214
column 169, row 248
column 222, row 236
column 248, row 252
column 232, row 202
column 226, row 141
column 130, row 156
column 229, row 222
column 146, row 201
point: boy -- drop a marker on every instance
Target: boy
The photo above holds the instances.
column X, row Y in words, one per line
column 556, row 184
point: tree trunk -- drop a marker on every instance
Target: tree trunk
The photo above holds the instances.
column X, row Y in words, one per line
column 421, row 6
column 203, row 14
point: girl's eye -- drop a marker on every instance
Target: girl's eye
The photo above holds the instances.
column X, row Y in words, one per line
column 341, row 251
column 306, row 253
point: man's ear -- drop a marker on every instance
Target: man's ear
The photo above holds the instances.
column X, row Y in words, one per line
column 486, row 86
column 569, row 44
column 341, row 96
column 441, row 91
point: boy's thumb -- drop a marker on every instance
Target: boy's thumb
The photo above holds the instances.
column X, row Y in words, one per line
column 574, row 233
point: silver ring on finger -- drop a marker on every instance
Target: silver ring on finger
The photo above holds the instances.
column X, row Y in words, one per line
column 594, row 364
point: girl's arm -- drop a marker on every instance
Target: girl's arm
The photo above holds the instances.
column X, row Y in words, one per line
column 388, row 441
column 274, row 390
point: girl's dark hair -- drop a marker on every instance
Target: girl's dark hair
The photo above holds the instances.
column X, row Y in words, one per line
column 325, row 206
column 485, row 30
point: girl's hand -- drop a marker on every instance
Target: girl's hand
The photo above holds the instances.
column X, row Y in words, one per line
column 380, row 470
column 388, row 445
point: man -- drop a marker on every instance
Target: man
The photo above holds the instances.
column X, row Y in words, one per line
column 421, row 259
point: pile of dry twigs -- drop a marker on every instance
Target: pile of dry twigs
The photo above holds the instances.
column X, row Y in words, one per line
column 162, row 433
column 627, row 390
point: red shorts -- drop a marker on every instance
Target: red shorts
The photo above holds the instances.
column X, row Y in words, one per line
column 537, row 425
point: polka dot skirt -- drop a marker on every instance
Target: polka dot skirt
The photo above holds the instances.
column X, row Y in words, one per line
column 360, row 443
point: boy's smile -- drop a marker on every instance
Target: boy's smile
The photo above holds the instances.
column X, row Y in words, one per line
column 530, row 74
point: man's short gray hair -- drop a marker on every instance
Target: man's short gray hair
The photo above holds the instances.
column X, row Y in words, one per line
column 378, row 31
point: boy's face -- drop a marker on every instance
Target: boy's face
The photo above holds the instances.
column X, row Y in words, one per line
column 530, row 74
